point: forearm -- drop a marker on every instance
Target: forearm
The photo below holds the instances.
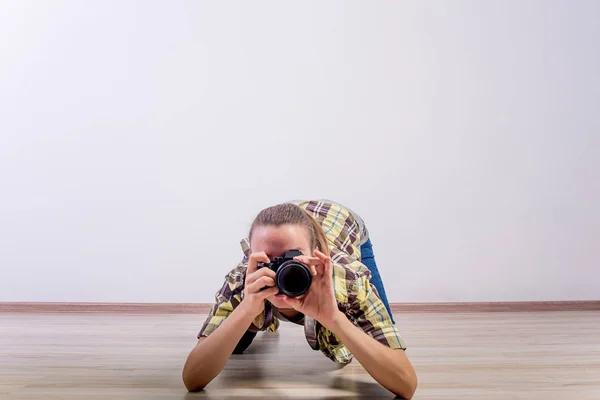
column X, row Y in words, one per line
column 390, row 367
column 210, row 355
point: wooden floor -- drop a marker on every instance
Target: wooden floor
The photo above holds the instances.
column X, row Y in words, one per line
column 457, row 356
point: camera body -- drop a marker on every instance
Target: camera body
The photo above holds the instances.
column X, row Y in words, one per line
column 292, row 277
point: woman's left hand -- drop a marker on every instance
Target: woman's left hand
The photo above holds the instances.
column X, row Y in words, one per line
column 319, row 302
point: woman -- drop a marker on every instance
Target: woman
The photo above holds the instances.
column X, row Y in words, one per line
column 342, row 313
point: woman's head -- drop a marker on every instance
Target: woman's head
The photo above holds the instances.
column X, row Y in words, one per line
column 284, row 227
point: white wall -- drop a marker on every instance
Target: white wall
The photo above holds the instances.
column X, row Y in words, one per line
column 139, row 139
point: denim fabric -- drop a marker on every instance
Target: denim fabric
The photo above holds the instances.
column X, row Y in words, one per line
column 368, row 259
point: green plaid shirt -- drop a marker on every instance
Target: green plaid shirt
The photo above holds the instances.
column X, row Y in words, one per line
column 355, row 295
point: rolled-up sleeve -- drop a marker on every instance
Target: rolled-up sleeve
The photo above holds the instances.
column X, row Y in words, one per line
column 226, row 300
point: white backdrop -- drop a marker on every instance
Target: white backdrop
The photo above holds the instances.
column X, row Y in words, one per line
column 139, row 139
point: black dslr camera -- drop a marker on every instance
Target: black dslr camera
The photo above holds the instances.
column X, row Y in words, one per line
column 292, row 277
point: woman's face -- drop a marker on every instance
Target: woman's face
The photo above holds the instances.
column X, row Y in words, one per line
column 275, row 241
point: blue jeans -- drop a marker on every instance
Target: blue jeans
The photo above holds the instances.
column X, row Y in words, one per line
column 368, row 259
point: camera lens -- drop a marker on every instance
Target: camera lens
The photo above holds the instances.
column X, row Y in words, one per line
column 293, row 278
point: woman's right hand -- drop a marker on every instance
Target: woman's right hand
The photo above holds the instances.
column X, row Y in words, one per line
column 211, row 353
column 257, row 279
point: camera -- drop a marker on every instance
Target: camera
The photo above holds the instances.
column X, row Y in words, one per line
column 292, row 277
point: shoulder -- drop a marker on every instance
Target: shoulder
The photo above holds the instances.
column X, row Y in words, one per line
column 233, row 283
column 237, row 274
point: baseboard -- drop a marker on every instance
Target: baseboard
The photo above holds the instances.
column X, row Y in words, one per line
column 516, row 306
column 137, row 308
column 203, row 308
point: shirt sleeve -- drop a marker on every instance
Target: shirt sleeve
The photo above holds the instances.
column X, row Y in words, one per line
column 226, row 300
column 367, row 311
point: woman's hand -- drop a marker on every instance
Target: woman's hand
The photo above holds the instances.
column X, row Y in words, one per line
column 211, row 353
column 319, row 302
column 257, row 279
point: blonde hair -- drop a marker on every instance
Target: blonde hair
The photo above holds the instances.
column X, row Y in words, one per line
column 292, row 214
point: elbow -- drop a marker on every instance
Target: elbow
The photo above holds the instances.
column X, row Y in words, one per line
column 409, row 387
column 409, row 391
column 193, row 388
column 405, row 377
column 191, row 384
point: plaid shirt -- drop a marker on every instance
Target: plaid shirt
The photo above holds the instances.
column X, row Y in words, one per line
column 355, row 295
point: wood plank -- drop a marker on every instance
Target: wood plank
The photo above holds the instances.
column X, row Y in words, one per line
column 466, row 356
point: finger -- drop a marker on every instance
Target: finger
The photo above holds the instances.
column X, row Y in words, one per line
column 283, row 296
column 321, row 256
column 326, row 260
column 313, row 263
column 319, row 269
column 268, row 292
column 251, row 278
column 296, row 304
column 260, row 283
column 254, row 259
column 308, row 260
